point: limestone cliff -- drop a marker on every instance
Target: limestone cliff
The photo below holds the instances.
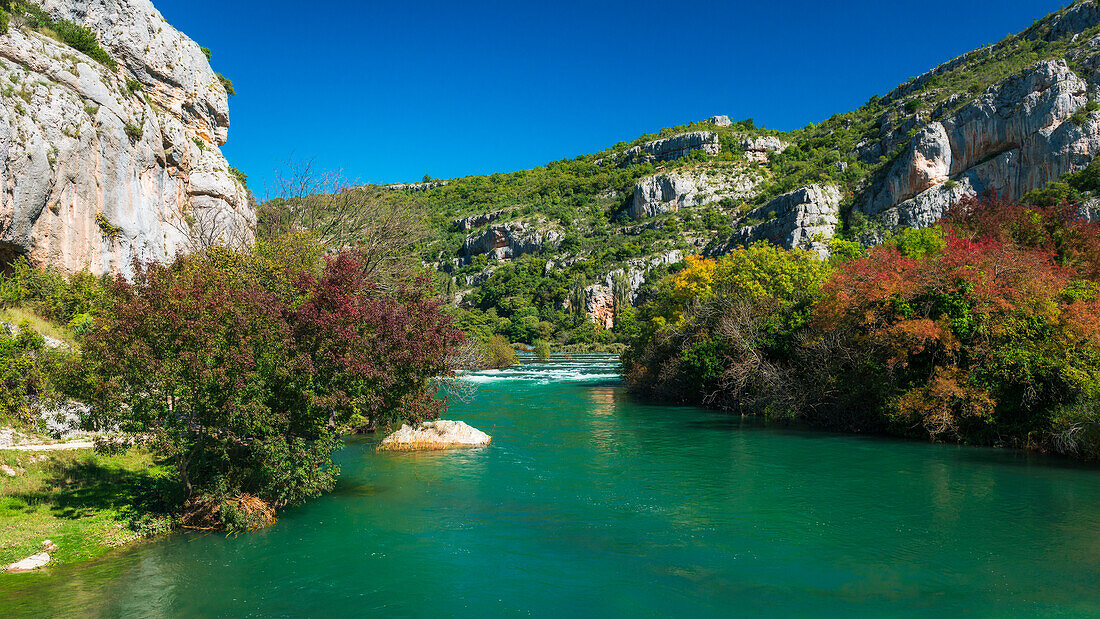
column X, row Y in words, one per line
column 671, row 191
column 805, row 218
column 102, row 166
column 1017, row 136
column 674, row 147
column 510, row 240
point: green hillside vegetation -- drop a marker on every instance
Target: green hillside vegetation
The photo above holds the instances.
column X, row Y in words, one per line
column 586, row 198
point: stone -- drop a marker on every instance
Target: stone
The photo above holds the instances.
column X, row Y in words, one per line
column 720, row 121
column 757, row 148
column 441, row 434
column 674, row 147
column 424, row 186
column 805, row 218
column 64, row 419
column 48, row 546
column 94, row 175
column 510, row 240
column 1016, row 136
column 477, row 221
column 671, row 191
column 31, row 563
column 599, row 305
column 9, row 471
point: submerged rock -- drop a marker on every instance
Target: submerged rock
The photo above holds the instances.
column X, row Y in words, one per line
column 439, row 434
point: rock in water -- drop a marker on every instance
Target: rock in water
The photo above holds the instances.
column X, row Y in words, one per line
column 31, row 563
column 439, row 434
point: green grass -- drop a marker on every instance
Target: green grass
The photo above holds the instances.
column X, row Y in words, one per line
column 86, row 503
column 15, row 315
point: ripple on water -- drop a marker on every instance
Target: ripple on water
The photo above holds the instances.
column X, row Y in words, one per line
column 590, row 503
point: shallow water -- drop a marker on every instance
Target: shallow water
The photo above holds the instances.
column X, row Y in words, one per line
column 591, row 503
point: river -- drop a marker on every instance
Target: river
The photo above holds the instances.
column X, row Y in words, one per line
column 590, row 503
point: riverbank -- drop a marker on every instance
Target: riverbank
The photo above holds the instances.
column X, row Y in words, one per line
column 85, row 502
column 632, row 508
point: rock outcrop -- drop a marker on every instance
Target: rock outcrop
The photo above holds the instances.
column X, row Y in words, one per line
column 99, row 167
column 430, row 435
column 674, row 147
column 510, row 240
column 671, row 191
column 621, row 285
column 423, row 186
column 599, row 305
column 758, row 148
column 805, row 218
column 477, row 221
column 720, row 121
column 1017, row 136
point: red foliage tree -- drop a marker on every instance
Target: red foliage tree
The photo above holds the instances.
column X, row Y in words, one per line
column 246, row 388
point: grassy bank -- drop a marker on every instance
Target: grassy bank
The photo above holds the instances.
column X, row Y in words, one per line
column 86, row 503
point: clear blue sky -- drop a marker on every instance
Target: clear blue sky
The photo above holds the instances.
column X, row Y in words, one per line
column 389, row 91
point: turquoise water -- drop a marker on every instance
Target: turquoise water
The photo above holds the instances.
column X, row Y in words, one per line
column 589, row 503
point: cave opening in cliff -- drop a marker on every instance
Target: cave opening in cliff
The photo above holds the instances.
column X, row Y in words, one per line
column 9, row 253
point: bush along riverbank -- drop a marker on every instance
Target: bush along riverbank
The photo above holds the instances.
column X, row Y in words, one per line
column 984, row 329
column 238, row 369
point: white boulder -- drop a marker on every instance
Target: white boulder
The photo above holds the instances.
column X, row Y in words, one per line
column 440, row 434
column 31, row 563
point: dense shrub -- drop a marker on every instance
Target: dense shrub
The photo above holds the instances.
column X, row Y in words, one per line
column 702, row 334
column 542, row 350
column 499, row 352
column 79, row 37
column 52, row 294
column 985, row 330
column 246, row 369
column 22, row 374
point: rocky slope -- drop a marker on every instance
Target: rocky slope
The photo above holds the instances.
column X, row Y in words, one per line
column 101, row 166
column 1017, row 136
column 1007, row 118
column 671, row 191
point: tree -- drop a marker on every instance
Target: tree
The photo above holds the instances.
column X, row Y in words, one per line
column 246, row 368
column 384, row 228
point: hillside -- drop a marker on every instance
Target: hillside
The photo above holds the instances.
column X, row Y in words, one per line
column 563, row 250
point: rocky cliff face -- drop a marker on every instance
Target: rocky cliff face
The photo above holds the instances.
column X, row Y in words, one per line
column 757, row 148
column 1017, row 136
column 99, row 167
column 674, row 147
column 672, row 191
column 476, row 221
column 805, row 218
column 510, row 240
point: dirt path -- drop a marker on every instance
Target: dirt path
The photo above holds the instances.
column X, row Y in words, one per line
column 51, row 446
